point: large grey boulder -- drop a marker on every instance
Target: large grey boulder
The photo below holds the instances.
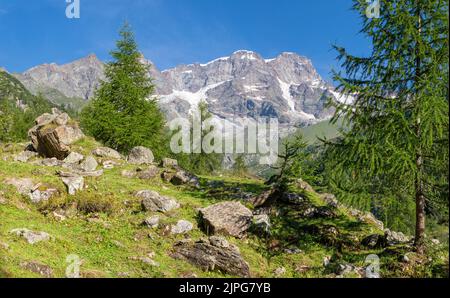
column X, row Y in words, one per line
column 228, row 218
column 140, row 155
column 153, row 201
column 53, row 135
column 213, row 254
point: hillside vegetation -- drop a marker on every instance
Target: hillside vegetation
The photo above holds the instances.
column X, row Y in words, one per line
column 103, row 225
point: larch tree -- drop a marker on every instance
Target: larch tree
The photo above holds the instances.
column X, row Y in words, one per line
column 397, row 126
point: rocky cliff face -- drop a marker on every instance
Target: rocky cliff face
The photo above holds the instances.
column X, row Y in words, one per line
column 241, row 85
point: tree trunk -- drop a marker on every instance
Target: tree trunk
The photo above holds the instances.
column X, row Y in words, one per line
column 420, row 196
column 420, row 218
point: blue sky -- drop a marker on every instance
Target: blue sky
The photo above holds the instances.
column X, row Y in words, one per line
column 172, row 32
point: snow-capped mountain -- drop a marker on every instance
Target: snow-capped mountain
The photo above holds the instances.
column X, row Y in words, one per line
column 243, row 84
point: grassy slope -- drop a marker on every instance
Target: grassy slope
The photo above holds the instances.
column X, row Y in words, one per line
column 106, row 244
column 323, row 129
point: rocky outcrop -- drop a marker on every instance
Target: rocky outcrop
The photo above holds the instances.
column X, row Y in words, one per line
column 244, row 84
column 153, row 201
column 228, row 218
column 53, row 135
column 213, row 254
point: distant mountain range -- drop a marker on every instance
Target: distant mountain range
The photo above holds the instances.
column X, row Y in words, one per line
column 243, row 84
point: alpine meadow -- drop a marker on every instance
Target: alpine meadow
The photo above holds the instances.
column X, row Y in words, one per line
column 340, row 165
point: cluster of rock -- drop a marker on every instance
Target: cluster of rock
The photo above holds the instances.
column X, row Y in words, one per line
column 36, row 192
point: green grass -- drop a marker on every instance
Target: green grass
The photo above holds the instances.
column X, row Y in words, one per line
column 106, row 241
column 324, row 129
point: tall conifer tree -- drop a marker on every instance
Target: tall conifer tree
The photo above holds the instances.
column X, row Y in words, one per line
column 397, row 136
column 124, row 113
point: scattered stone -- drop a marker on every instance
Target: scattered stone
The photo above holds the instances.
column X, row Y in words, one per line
column 393, row 238
column 107, row 153
column 52, row 135
column 330, row 200
column 4, row 245
column 74, row 158
column 293, row 198
column 367, row 217
column 303, row 185
column 59, row 215
column 213, row 254
column 30, row 236
column 182, row 177
column 153, row 201
column 261, row 224
column 140, row 155
column 109, row 164
column 302, row 268
column 129, row 174
column 50, row 162
column 23, row 185
column 344, row 269
column 229, row 218
column 405, row 259
column 433, row 241
column 2, row 198
column 261, row 199
column 148, row 174
column 89, row 164
column 279, row 272
column 89, row 174
column 169, row 163
column 326, row 261
column 373, row 241
column 293, row 251
column 152, row 222
column 74, row 183
column 320, row 212
column 182, row 227
column 145, row 260
column 25, row 156
column 38, row 195
column 38, row 268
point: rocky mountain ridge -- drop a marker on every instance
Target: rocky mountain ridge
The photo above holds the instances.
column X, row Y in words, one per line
column 243, row 84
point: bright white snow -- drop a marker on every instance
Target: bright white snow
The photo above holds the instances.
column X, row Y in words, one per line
column 346, row 99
